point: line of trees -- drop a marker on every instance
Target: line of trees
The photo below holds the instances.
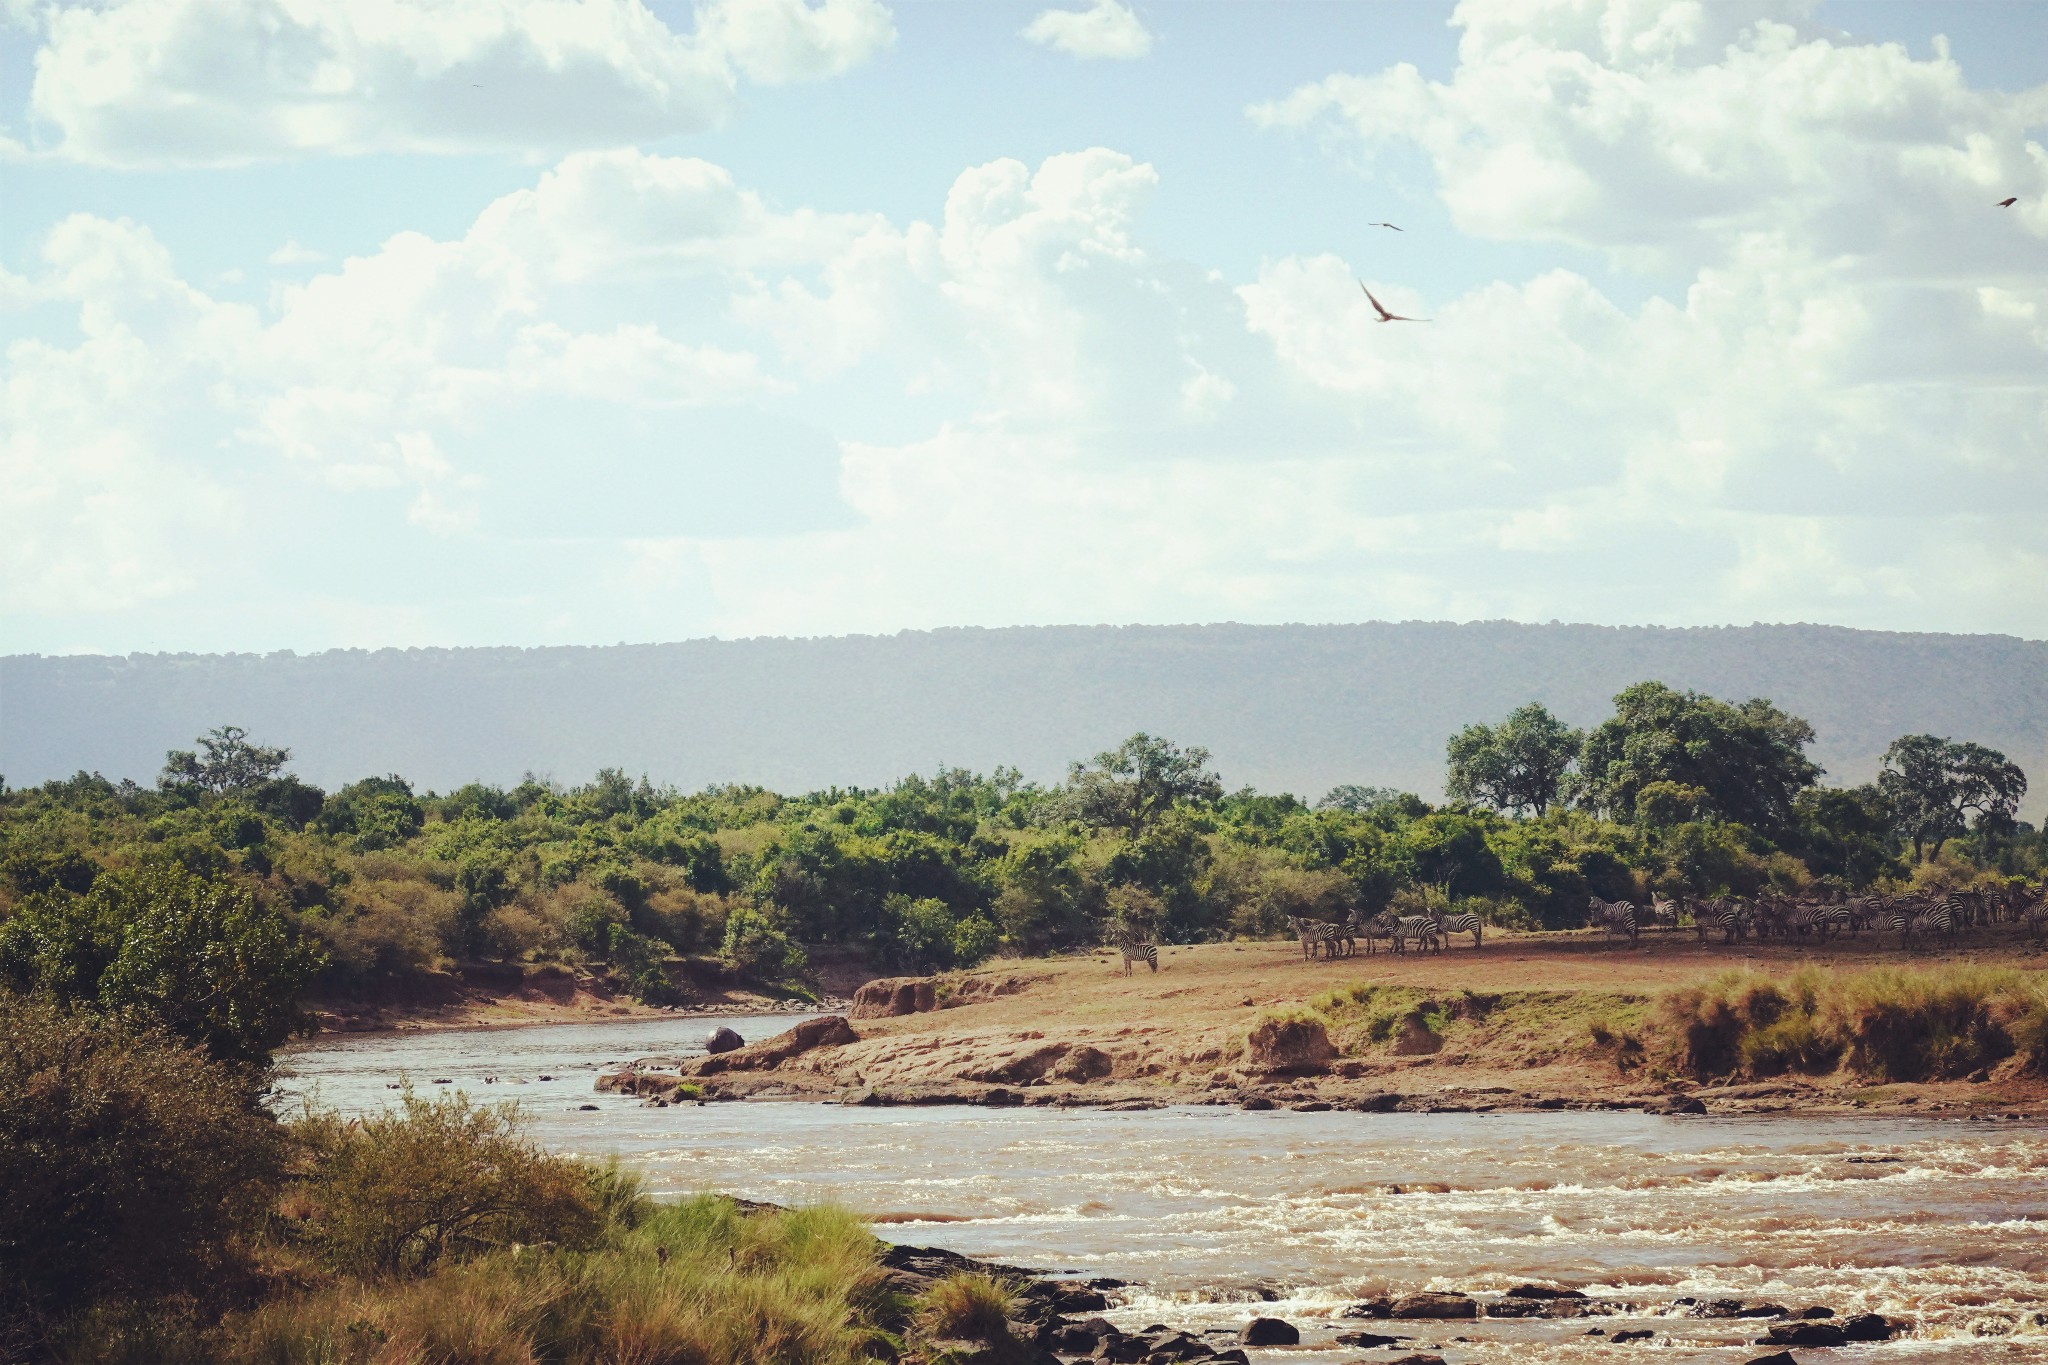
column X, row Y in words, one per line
column 217, row 898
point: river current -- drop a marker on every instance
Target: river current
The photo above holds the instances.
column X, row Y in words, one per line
column 1214, row 1213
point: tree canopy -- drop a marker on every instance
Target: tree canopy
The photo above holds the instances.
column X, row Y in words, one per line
column 1744, row 763
column 1935, row 785
column 1519, row 765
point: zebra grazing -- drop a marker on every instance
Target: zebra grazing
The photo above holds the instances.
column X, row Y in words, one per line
column 1421, row 928
column 1461, row 923
column 1615, row 917
column 1136, row 947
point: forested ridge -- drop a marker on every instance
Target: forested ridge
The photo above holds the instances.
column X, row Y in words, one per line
column 1284, row 708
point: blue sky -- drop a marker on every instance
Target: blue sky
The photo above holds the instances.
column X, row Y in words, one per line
column 521, row 323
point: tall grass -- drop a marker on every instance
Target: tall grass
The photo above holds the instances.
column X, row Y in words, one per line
column 695, row 1283
column 1885, row 1023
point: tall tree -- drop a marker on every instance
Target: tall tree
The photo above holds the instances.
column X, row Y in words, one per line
column 1935, row 785
column 1518, row 765
column 1132, row 785
column 1748, row 762
column 225, row 761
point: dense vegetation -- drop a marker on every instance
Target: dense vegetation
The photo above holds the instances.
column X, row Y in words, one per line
column 214, row 900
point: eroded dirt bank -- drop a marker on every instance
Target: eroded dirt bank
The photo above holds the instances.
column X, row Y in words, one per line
column 1527, row 1022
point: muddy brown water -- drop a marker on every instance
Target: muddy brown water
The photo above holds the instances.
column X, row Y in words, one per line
column 1216, row 1213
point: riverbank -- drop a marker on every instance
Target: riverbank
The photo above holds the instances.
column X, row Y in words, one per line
column 509, row 995
column 1529, row 1022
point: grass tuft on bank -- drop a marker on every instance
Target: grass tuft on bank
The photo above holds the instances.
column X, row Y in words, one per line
column 1881, row 1024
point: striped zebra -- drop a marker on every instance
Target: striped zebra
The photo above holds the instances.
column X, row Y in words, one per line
column 1729, row 916
column 2036, row 917
column 1615, row 917
column 1421, row 928
column 1380, row 926
column 1136, row 947
column 1823, row 918
column 1910, row 915
column 1664, row 913
column 1332, row 937
column 1461, row 923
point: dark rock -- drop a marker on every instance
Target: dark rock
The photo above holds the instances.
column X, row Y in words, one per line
column 1517, row 1308
column 1070, row 1339
column 1594, row 1332
column 724, row 1040
column 1544, row 1291
column 1761, row 1310
column 1816, row 1312
column 1868, row 1327
column 587, row 1108
column 1718, row 1308
column 1632, row 1334
column 1417, row 1358
column 1366, row 1340
column 1179, row 1346
column 1369, row 1308
column 1310, row 1107
column 1679, row 1104
column 1268, row 1332
column 1121, row 1350
column 1802, row 1334
column 827, row 1030
column 1385, row 1102
column 1432, row 1305
column 1234, row 1356
column 1080, row 1301
column 1098, row 1328
column 1255, row 1102
column 998, row 1098
column 1106, row 1282
column 1780, row 1358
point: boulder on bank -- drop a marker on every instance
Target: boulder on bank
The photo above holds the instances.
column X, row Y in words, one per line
column 890, row 996
column 1084, row 1063
column 723, row 1040
column 830, row 1030
column 1268, row 1332
column 1290, row 1043
column 1434, row 1305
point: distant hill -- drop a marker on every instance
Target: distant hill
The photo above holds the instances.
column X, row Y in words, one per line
column 1291, row 708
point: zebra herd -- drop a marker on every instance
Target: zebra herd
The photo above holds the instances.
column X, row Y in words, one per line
column 1925, row 915
column 1428, row 932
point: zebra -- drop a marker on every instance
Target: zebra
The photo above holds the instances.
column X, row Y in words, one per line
column 1823, row 918
column 1421, row 928
column 1615, row 917
column 1461, row 923
column 1135, row 947
column 2036, row 917
column 1328, row 934
column 1730, row 917
column 1664, row 912
column 1378, row 927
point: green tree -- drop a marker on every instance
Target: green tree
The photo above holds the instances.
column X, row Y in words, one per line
column 1134, row 784
column 1515, row 766
column 202, row 958
column 1747, row 761
column 756, row 948
column 127, row 1162
column 225, row 761
column 375, row 813
column 1935, row 785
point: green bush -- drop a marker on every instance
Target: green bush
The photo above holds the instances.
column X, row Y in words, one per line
column 756, row 948
column 433, row 1180
column 129, row 1164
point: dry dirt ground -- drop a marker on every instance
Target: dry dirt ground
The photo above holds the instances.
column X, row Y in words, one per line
column 1528, row 1021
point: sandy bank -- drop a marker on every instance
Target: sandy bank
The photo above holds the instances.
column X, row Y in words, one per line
column 1527, row 1022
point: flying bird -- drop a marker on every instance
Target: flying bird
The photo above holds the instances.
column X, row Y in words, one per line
column 1380, row 308
column 2008, row 203
column 1395, row 226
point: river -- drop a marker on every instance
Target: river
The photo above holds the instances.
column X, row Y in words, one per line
column 1209, row 1211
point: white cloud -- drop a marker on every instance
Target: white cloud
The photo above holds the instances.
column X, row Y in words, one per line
column 1105, row 29
column 291, row 253
column 224, row 82
column 1041, row 418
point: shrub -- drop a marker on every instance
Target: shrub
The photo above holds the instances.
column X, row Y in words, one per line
column 757, row 948
column 128, row 1160
column 434, row 1179
column 967, row 1306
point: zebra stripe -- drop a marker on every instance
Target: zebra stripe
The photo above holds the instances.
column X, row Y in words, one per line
column 1462, row 923
column 1615, row 917
column 1136, row 948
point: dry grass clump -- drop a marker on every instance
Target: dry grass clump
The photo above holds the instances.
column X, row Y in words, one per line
column 1885, row 1023
column 967, row 1306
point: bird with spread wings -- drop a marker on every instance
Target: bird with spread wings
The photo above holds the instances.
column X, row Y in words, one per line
column 1381, row 309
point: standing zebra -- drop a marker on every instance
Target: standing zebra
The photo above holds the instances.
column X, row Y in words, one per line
column 1380, row 926
column 1461, row 923
column 1615, row 917
column 1329, row 935
column 1729, row 916
column 1136, row 947
column 1421, row 928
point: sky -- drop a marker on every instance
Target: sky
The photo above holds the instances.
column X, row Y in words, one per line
column 489, row 322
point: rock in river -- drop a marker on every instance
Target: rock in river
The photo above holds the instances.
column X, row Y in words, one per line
column 1268, row 1332
column 723, row 1040
column 1433, row 1305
